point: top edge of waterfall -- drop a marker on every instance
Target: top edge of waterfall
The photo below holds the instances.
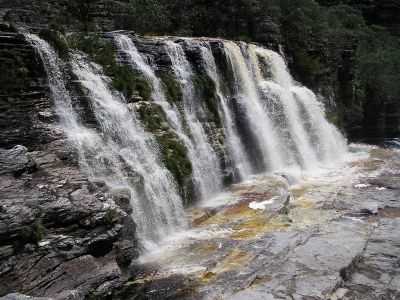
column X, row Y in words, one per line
column 177, row 38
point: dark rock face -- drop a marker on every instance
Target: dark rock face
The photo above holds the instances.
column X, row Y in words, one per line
column 25, row 108
column 59, row 233
column 15, row 161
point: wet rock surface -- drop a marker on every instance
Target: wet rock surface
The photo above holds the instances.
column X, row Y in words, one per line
column 57, row 233
column 336, row 238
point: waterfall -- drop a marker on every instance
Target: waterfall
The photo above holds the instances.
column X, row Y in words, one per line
column 286, row 123
column 330, row 144
column 285, row 120
column 205, row 165
column 236, row 148
column 137, row 61
column 63, row 104
column 285, row 116
column 257, row 115
column 280, row 86
column 119, row 152
column 205, row 159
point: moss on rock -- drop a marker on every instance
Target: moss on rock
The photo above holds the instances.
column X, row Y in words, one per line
column 172, row 87
column 57, row 40
column 172, row 150
column 101, row 50
column 205, row 88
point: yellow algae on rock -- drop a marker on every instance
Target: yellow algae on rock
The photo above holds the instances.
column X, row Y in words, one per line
column 381, row 153
column 303, row 202
column 299, row 190
column 260, row 224
column 236, row 259
column 207, row 276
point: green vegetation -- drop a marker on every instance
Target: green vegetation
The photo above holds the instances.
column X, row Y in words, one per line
column 172, row 88
column 32, row 233
column 378, row 58
column 172, row 150
column 81, row 10
column 57, row 40
column 206, row 88
column 101, row 50
column 111, row 217
column 332, row 46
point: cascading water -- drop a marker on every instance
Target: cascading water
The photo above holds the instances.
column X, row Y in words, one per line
column 125, row 45
column 286, row 137
column 122, row 154
column 236, row 148
column 330, row 144
column 280, row 87
column 206, row 171
column 61, row 97
column 248, row 97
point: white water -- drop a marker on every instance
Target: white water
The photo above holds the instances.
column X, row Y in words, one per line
column 137, row 61
column 257, row 115
column 262, row 74
column 122, row 153
column 295, row 136
column 280, row 87
column 206, row 169
column 60, row 94
column 330, row 146
column 235, row 146
column 292, row 135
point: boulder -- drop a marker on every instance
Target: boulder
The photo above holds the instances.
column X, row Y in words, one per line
column 16, row 161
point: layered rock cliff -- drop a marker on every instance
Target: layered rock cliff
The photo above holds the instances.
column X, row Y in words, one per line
column 58, row 229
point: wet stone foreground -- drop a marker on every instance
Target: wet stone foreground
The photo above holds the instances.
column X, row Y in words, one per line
column 335, row 235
